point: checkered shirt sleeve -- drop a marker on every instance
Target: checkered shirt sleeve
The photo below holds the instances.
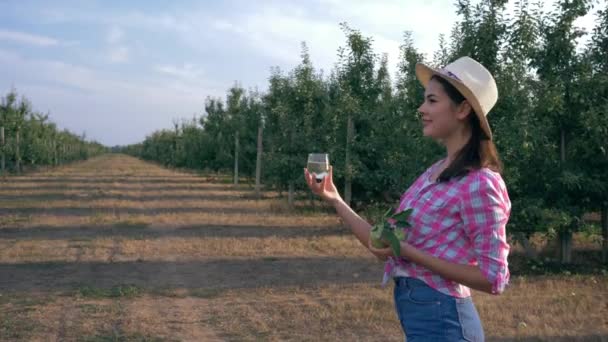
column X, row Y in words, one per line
column 485, row 210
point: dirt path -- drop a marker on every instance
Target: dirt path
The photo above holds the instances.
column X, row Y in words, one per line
column 120, row 249
column 116, row 249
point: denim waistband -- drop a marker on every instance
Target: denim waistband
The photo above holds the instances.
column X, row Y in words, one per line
column 409, row 282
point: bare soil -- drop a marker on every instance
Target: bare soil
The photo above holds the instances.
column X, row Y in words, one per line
column 117, row 249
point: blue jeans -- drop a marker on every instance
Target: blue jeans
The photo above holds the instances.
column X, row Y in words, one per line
column 429, row 315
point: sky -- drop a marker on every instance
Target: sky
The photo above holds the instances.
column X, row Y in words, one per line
column 119, row 70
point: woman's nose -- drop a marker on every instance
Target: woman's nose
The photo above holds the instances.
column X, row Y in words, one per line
column 421, row 110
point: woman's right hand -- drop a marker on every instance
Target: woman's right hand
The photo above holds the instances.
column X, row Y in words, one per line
column 326, row 189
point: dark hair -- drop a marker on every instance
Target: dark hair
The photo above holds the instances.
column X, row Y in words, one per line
column 478, row 152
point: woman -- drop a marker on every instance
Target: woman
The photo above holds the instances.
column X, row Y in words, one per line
column 460, row 204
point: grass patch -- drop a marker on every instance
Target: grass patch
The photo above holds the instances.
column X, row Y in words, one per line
column 91, row 309
column 270, row 259
column 135, row 228
column 28, row 303
column 15, row 328
column 16, row 220
column 15, row 325
column 302, row 207
column 132, row 224
column 48, row 265
column 118, row 336
column 168, row 292
column 205, row 293
column 85, row 239
column 118, row 291
column 99, row 218
column 4, row 299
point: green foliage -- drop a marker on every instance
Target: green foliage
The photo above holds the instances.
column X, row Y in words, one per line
column 550, row 123
column 391, row 230
column 39, row 140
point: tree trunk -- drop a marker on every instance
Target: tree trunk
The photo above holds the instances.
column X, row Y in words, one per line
column 2, row 146
column 290, row 196
column 350, row 132
column 605, row 232
column 176, row 146
column 55, row 160
column 563, row 146
column 236, row 158
column 565, row 235
column 258, row 163
column 528, row 248
column 17, row 153
column 566, row 246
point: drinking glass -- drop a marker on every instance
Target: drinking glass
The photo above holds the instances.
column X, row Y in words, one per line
column 318, row 163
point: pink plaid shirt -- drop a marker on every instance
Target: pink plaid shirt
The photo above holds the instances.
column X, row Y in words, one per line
column 461, row 221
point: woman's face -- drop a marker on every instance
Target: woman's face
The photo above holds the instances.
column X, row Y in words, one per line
column 440, row 116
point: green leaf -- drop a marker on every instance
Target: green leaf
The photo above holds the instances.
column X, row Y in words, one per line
column 377, row 231
column 387, row 213
column 388, row 226
column 402, row 216
column 393, row 242
column 400, row 234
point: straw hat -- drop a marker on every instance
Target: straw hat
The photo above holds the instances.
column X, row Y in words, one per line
column 472, row 80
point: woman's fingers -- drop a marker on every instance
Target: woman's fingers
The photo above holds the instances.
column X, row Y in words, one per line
column 312, row 183
column 307, row 175
column 327, row 180
column 323, row 182
column 309, row 179
column 379, row 252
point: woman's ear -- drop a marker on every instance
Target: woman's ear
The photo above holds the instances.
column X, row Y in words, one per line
column 463, row 110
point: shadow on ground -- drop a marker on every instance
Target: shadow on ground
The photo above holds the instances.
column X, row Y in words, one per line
column 141, row 231
column 223, row 274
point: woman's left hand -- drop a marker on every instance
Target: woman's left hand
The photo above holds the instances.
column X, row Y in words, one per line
column 384, row 253
column 380, row 253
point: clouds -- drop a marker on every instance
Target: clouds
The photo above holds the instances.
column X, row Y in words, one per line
column 186, row 71
column 118, row 52
column 277, row 33
column 27, row 38
column 115, row 35
column 120, row 70
column 108, row 107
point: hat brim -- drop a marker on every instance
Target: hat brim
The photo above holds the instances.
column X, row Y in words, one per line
column 424, row 75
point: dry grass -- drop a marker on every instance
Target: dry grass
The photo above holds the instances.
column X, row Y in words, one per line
column 115, row 249
column 139, row 247
column 537, row 308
